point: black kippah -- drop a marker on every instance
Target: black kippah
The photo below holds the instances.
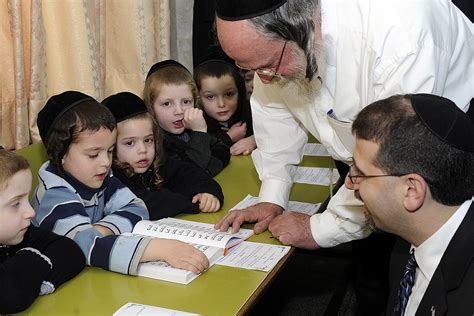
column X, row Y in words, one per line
column 55, row 108
column 445, row 120
column 163, row 64
column 216, row 60
column 235, row 10
column 124, row 105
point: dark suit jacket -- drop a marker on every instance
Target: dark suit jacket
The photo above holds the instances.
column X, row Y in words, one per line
column 451, row 290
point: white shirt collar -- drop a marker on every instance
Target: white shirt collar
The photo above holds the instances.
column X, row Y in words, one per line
column 429, row 253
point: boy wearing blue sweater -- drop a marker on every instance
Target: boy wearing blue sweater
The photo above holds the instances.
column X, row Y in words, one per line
column 79, row 197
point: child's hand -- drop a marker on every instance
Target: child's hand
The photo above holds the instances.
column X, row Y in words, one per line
column 244, row 146
column 194, row 120
column 103, row 230
column 208, row 203
column 181, row 255
column 237, row 131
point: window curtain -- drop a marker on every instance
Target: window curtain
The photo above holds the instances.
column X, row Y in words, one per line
column 98, row 47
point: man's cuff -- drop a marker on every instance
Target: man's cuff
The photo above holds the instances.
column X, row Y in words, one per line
column 329, row 230
column 275, row 191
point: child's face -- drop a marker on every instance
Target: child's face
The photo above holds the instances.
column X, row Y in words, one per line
column 170, row 105
column 90, row 157
column 15, row 209
column 136, row 143
column 219, row 97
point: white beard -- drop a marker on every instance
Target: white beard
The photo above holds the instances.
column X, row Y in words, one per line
column 299, row 86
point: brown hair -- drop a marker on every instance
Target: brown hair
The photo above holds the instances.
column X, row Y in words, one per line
column 167, row 75
column 89, row 115
column 159, row 152
column 11, row 164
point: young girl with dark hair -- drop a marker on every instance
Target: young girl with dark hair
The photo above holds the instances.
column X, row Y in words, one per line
column 167, row 186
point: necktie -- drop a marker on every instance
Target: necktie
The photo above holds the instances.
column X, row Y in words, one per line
column 406, row 284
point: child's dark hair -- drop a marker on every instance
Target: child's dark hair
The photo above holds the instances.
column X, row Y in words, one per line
column 11, row 164
column 89, row 115
column 159, row 153
column 218, row 68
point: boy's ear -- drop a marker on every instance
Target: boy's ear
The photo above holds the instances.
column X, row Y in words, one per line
column 415, row 190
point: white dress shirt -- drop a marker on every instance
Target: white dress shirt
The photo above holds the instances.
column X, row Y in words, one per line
column 374, row 49
column 429, row 254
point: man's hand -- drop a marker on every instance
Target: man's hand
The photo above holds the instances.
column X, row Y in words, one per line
column 194, row 120
column 293, row 229
column 262, row 213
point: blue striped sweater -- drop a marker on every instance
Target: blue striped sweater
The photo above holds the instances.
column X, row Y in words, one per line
column 67, row 207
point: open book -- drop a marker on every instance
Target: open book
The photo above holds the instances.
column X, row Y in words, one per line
column 203, row 236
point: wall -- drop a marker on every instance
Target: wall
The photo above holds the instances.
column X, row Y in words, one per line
column 182, row 31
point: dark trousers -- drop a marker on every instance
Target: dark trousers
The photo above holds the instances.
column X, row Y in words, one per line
column 371, row 258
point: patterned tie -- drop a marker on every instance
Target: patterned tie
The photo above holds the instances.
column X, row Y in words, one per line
column 406, row 284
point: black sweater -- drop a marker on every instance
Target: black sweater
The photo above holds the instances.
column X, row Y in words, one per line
column 182, row 181
column 203, row 149
column 243, row 114
column 23, row 272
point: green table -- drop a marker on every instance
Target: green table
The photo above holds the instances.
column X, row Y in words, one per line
column 219, row 291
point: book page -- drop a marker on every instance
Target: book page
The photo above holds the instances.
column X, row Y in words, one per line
column 309, row 175
column 293, row 206
column 314, row 149
column 191, row 232
column 161, row 270
column 133, row 309
column 254, row 256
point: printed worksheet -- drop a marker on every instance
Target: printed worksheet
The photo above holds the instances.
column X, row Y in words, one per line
column 254, row 256
column 132, row 309
column 293, row 206
column 312, row 149
column 321, row 176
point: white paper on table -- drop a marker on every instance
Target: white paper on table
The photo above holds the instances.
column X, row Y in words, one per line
column 249, row 200
column 310, row 175
column 314, row 149
column 254, row 256
column 131, row 309
column 293, row 206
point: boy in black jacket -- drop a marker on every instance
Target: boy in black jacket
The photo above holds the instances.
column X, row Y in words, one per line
column 32, row 261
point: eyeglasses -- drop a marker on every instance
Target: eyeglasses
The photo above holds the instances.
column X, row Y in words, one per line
column 267, row 74
column 356, row 179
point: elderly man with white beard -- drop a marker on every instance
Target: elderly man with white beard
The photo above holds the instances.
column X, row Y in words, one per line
column 319, row 63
